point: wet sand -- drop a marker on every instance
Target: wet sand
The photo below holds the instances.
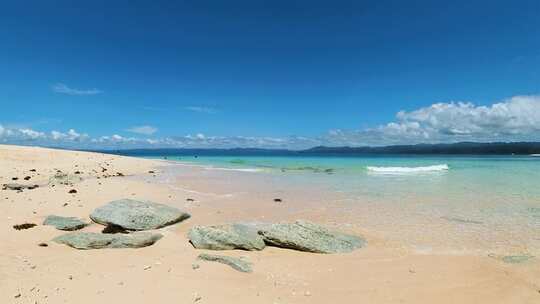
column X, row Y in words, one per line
column 386, row 271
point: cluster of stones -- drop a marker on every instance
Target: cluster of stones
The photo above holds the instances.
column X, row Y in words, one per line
column 129, row 215
column 126, row 221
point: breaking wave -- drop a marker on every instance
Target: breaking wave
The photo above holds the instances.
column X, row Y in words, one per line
column 402, row 170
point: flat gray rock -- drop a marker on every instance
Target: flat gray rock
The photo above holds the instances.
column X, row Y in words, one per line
column 310, row 237
column 226, row 237
column 92, row 240
column 236, row 263
column 64, row 223
column 137, row 215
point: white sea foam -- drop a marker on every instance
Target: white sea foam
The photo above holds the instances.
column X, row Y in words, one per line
column 206, row 167
column 233, row 169
column 405, row 170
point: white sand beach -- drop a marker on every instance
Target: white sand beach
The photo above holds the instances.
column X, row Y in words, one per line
column 381, row 272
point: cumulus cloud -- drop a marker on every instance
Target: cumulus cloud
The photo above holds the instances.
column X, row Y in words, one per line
column 514, row 119
column 144, row 130
column 206, row 110
column 20, row 134
column 31, row 134
column 64, row 89
column 70, row 135
column 115, row 139
column 517, row 115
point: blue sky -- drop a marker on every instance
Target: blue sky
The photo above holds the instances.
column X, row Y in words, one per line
column 268, row 73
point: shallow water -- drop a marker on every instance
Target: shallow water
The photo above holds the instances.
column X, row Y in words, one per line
column 447, row 203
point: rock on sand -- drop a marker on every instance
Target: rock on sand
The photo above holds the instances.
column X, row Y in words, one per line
column 310, row 237
column 91, row 240
column 226, row 237
column 64, row 223
column 235, row 263
column 137, row 215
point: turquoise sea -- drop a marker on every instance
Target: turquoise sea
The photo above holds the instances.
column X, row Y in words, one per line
column 489, row 201
column 509, row 180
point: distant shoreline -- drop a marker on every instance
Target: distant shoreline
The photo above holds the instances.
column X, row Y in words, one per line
column 462, row 148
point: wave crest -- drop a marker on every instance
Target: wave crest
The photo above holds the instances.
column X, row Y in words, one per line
column 401, row 170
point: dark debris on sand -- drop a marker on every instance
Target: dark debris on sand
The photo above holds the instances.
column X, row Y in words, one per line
column 18, row 187
column 24, row 226
column 112, row 229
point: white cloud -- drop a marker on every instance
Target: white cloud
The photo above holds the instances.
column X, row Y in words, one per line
column 8, row 134
column 206, row 110
column 514, row 119
column 70, row 135
column 144, row 130
column 199, row 136
column 64, row 89
column 517, row 118
column 31, row 134
column 56, row 135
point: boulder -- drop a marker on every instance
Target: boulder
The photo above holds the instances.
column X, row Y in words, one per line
column 310, row 237
column 236, row 263
column 92, row 240
column 137, row 215
column 226, row 237
column 64, row 223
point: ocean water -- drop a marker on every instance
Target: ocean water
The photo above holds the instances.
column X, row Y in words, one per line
column 509, row 180
column 483, row 203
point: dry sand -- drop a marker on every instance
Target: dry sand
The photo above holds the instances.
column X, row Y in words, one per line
column 383, row 272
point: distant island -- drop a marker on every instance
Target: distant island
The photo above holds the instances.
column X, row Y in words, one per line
column 462, row 148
